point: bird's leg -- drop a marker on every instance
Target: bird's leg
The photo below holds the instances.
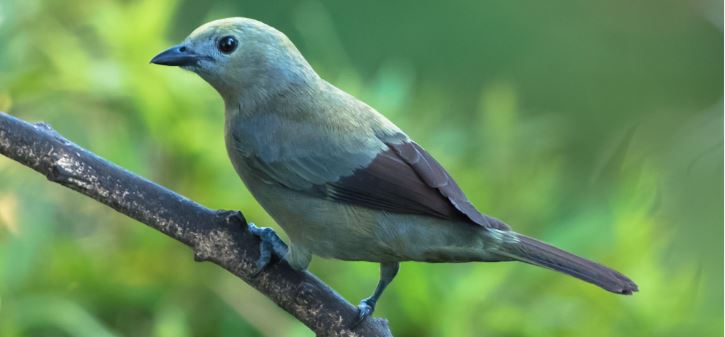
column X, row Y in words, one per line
column 269, row 244
column 388, row 270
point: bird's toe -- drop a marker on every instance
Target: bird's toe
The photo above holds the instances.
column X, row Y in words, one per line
column 364, row 309
column 270, row 245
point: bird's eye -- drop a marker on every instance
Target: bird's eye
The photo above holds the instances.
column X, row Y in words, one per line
column 227, row 44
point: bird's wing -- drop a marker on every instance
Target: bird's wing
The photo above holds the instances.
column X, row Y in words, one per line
column 404, row 178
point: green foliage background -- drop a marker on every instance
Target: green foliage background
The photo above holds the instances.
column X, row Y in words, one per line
column 594, row 125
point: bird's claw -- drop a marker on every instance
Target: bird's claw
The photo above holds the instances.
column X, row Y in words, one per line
column 231, row 217
column 270, row 244
column 364, row 309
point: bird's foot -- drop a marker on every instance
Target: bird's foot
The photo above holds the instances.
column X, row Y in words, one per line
column 364, row 309
column 270, row 246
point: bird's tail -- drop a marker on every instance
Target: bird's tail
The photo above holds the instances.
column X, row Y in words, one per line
column 535, row 252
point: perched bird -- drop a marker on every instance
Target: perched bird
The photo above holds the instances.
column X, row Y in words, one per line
column 341, row 179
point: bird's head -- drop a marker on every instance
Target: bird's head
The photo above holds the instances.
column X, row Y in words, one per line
column 238, row 56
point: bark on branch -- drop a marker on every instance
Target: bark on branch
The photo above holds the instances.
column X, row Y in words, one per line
column 217, row 236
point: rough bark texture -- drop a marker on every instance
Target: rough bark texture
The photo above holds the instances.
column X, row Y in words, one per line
column 217, row 236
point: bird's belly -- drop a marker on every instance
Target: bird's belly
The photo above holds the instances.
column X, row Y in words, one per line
column 323, row 227
column 343, row 231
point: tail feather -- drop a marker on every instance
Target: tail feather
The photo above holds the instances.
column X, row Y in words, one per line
column 535, row 252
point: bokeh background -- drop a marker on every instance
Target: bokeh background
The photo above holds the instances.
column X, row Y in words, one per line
column 594, row 125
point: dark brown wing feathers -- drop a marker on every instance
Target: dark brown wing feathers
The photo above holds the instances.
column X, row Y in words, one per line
column 406, row 179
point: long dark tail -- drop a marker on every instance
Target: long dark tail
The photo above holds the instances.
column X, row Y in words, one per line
column 535, row 252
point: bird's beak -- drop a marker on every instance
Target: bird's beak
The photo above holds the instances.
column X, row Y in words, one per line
column 178, row 55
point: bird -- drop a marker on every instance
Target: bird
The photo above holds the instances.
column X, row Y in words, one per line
column 339, row 178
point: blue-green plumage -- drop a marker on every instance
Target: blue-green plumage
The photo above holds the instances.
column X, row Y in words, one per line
column 341, row 179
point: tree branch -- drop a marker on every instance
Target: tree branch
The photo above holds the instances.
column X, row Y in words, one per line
column 217, row 236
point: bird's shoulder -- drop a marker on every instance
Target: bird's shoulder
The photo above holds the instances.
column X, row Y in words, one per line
column 318, row 122
column 305, row 141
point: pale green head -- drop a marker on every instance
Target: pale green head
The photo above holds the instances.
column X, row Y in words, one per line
column 238, row 56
